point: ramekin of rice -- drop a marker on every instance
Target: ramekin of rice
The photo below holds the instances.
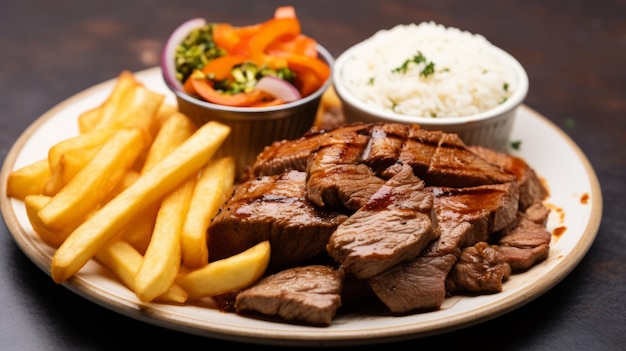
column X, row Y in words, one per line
column 439, row 77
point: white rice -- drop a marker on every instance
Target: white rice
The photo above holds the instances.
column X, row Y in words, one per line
column 469, row 76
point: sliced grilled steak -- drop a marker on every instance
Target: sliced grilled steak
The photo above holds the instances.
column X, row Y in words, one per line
column 480, row 269
column 538, row 213
column 396, row 224
column 418, row 284
column 336, row 178
column 469, row 215
column 531, row 188
column 524, row 244
column 285, row 155
column 454, row 165
column 308, row 294
column 437, row 158
column 273, row 208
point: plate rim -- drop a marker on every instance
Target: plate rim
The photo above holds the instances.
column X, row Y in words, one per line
column 146, row 312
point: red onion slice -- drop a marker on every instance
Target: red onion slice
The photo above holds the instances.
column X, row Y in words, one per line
column 278, row 88
column 168, row 64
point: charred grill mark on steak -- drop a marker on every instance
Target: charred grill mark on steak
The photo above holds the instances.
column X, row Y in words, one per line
column 309, row 294
column 336, row 178
column 454, row 165
column 273, row 208
column 285, row 155
column 395, row 224
column 437, row 158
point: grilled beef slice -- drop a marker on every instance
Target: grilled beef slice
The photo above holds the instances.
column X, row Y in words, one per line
column 285, row 155
column 336, row 178
column 309, row 294
column 531, row 189
column 395, row 224
column 480, row 269
column 417, row 284
column 524, row 244
column 465, row 216
column 469, row 215
column 272, row 208
column 438, row 158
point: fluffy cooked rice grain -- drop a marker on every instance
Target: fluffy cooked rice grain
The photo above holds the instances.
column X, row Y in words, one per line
column 469, row 76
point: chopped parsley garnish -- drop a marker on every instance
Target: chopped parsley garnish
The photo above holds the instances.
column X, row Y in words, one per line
column 428, row 69
column 515, row 145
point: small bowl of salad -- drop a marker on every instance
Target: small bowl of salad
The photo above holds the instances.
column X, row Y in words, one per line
column 264, row 80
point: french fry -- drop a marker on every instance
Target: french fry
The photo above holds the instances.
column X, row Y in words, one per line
column 89, row 119
column 34, row 203
column 124, row 261
column 235, row 272
column 163, row 255
column 91, row 141
column 84, row 242
column 165, row 111
column 139, row 109
column 91, row 185
column 28, row 180
column 124, row 84
column 173, row 132
column 69, row 156
column 212, row 188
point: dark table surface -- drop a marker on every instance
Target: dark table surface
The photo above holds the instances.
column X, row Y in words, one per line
column 575, row 56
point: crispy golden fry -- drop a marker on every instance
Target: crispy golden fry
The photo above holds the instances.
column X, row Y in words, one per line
column 212, row 188
column 139, row 230
column 69, row 156
column 34, row 203
column 84, row 242
column 124, row 261
column 28, row 180
column 173, row 133
column 68, row 165
column 163, row 114
column 139, row 111
column 232, row 273
column 89, row 119
column 124, row 85
column 91, row 185
column 162, row 258
column 92, row 141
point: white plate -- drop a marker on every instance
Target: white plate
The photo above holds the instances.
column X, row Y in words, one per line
column 576, row 203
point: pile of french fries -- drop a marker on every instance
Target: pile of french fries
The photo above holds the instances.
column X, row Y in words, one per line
column 136, row 190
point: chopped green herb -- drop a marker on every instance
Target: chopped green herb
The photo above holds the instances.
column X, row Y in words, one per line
column 515, row 145
column 429, row 69
column 370, row 81
column 195, row 51
column 505, row 87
